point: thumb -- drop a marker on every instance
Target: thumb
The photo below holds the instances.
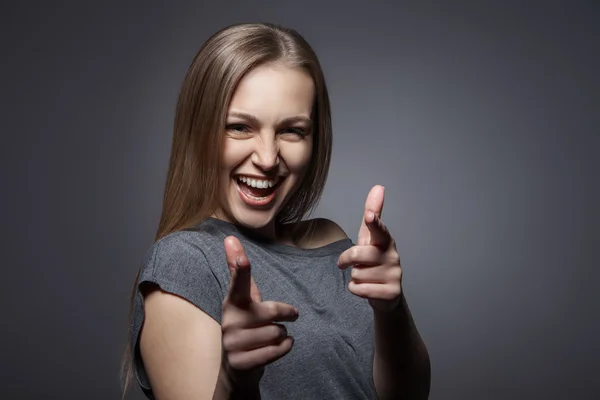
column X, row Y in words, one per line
column 242, row 289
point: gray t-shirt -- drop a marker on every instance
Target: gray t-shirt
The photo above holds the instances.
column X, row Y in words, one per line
column 332, row 356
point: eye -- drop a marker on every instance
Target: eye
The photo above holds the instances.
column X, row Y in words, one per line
column 295, row 131
column 237, row 128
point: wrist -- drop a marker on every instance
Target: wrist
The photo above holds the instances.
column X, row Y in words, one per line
column 395, row 311
column 233, row 386
column 241, row 384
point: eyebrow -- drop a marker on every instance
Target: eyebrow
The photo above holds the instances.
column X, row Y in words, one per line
column 254, row 120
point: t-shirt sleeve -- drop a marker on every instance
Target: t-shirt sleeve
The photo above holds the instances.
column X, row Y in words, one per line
column 177, row 265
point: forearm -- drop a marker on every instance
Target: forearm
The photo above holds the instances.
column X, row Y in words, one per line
column 401, row 368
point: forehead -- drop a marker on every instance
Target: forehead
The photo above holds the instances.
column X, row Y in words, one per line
column 274, row 92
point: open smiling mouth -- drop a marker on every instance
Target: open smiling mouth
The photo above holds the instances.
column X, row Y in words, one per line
column 258, row 192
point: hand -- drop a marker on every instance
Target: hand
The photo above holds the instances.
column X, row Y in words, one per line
column 376, row 273
column 251, row 338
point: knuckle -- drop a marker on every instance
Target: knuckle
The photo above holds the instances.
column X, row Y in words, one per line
column 228, row 343
column 226, row 326
column 230, row 321
column 232, row 359
column 272, row 352
column 392, row 257
column 271, row 310
column 272, row 331
column 237, row 360
column 386, row 294
column 354, row 253
column 396, row 274
column 281, row 331
column 394, row 292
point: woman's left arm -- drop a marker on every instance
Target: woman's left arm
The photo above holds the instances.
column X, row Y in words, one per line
column 401, row 368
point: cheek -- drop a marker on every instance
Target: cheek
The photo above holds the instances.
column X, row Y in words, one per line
column 228, row 162
column 234, row 152
column 297, row 156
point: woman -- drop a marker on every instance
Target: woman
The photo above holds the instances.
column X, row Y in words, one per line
column 240, row 297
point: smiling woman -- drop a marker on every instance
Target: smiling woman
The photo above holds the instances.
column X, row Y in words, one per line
column 267, row 147
column 240, row 297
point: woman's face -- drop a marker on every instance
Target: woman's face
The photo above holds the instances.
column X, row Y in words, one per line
column 267, row 146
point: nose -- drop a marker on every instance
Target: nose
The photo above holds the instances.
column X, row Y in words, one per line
column 266, row 155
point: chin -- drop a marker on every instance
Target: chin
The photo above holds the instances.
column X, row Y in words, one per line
column 253, row 219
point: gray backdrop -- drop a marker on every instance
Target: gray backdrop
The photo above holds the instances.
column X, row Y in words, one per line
column 480, row 119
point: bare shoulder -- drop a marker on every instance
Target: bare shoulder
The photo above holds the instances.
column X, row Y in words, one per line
column 319, row 232
column 329, row 229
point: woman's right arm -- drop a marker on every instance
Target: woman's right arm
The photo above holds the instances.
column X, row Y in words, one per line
column 181, row 350
column 188, row 355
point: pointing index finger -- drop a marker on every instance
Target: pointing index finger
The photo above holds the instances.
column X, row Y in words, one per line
column 380, row 236
column 239, row 290
column 242, row 289
column 375, row 200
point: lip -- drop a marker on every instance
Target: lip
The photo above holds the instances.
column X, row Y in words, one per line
column 253, row 202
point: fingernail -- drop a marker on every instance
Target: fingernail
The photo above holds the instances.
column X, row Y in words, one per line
column 238, row 261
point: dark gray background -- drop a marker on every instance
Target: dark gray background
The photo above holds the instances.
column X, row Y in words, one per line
column 481, row 119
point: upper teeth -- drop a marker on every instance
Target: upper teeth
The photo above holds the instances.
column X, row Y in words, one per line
column 258, row 183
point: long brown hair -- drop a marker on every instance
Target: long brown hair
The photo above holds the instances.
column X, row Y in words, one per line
column 191, row 188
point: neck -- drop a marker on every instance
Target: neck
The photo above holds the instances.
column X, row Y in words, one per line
column 270, row 232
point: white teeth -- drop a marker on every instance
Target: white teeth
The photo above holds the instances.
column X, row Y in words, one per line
column 254, row 197
column 257, row 183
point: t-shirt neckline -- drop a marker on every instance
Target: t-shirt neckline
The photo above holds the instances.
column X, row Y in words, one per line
column 231, row 229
